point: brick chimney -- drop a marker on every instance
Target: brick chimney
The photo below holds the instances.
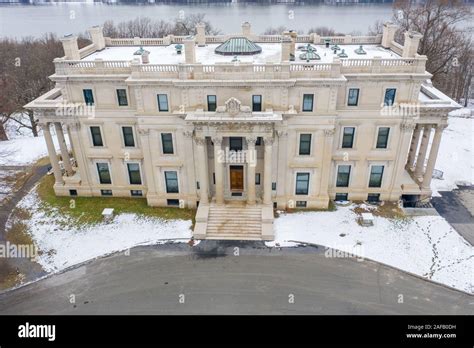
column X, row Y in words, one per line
column 189, row 50
column 71, row 50
column 246, row 30
column 410, row 47
column 97, row 37
column 388, row 35
column 201, row 34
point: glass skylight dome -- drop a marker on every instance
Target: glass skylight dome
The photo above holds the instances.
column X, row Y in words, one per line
column 238, row 46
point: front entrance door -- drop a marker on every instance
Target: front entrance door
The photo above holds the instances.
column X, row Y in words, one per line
column 236, row 178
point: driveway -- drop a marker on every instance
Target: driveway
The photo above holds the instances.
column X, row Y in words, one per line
column 457, row 207
column 233, row 278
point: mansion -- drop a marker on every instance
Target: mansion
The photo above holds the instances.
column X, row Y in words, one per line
column 239, row 125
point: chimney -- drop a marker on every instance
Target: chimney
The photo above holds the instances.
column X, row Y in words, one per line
column 145, row 57
column 292, row 35
column 246, row 30
column 410, row 47
column 189, row 50
column 388, row 35
column 71, row 50
column 201, row 34
column 97, row 37
column 286, row 44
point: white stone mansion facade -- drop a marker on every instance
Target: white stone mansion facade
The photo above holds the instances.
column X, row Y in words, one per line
column 240, row 124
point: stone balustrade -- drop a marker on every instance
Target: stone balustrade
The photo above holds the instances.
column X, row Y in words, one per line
column 226, row 71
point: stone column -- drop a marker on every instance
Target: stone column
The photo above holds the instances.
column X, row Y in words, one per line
column 58, row 177
column 64, row 150
column 251, row 165
column 420, row 161
column 144, row 138
column 203, row 175
column 218, row 169
column 267, row 171
column 432, row 156
column 413, row 147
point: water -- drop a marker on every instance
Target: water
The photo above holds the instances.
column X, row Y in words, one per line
column 66, row 18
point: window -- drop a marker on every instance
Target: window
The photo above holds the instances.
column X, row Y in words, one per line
column 305, row 144
column 343, row 175
column 128, row 139
column 167, row 143
column 106, row 192
column 134, row 173
column 171, row 182
column 348, row 137
column 257, row 179
column 373, row 197
column 353, row 97
column 308, row 102
column 376, row 174
column 72, row 192
column 256, row 103
column 122, row 97
column 162, row 102
column 341, row 197
column 300, row 204
column 96, row 136
column 197, row 185
column 136, row 193
column 235, row 143
column 211, row 103
column 104, row 173
column 214, row 178
column 382, row 137
column 259, row 141
column 389, row 98
column 274, row 186
column 172, row 202
column 302, row 183
column 88, row 96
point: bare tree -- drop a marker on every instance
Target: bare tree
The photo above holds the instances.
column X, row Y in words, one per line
column 448, row 48
column 275, row 30
column 324, row 31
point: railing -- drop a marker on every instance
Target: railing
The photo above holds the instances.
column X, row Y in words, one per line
column 85, row 51
column 224, row 71
column 396, row 47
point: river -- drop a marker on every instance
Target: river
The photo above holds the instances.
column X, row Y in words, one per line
column 66, row 18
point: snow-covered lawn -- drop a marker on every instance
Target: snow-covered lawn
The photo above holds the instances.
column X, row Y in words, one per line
column 24, row 150
column 456, row 153
column 427, row 245
column 62, row 244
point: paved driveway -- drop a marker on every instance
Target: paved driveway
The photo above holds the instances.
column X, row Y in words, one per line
column 211, row 279
column 457, row 207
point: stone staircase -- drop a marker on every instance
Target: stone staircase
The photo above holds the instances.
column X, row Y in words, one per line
column 234, row 222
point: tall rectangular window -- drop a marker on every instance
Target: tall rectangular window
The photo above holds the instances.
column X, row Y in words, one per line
column 305, row 144
column 389, row 98
column 163, row 102
column 376, row 174
column 343, row 176
column 235, row 143
column 122, row 97
column 88, row 96
column 96, row 136
column 167, row 143
column 104, row 173
column 211, row 103
column 353, row 97
column 171, row 182
column 348, row 137
column 257, row 178
column 257, row 103
column 302, row 183
column 308, row 102
column 128, row 138
column 134, row 173
column 382, row 137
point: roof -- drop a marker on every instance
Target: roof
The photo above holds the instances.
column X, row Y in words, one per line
column 238, row 46
column 271, row 53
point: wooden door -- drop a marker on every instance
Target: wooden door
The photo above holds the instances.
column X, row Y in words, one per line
column 236, row 178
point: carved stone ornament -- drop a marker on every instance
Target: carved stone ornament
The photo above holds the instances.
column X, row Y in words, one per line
column 217, row 140
column 329, row 132
column 232, row 106
column 251, row 140
column 200, row 140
